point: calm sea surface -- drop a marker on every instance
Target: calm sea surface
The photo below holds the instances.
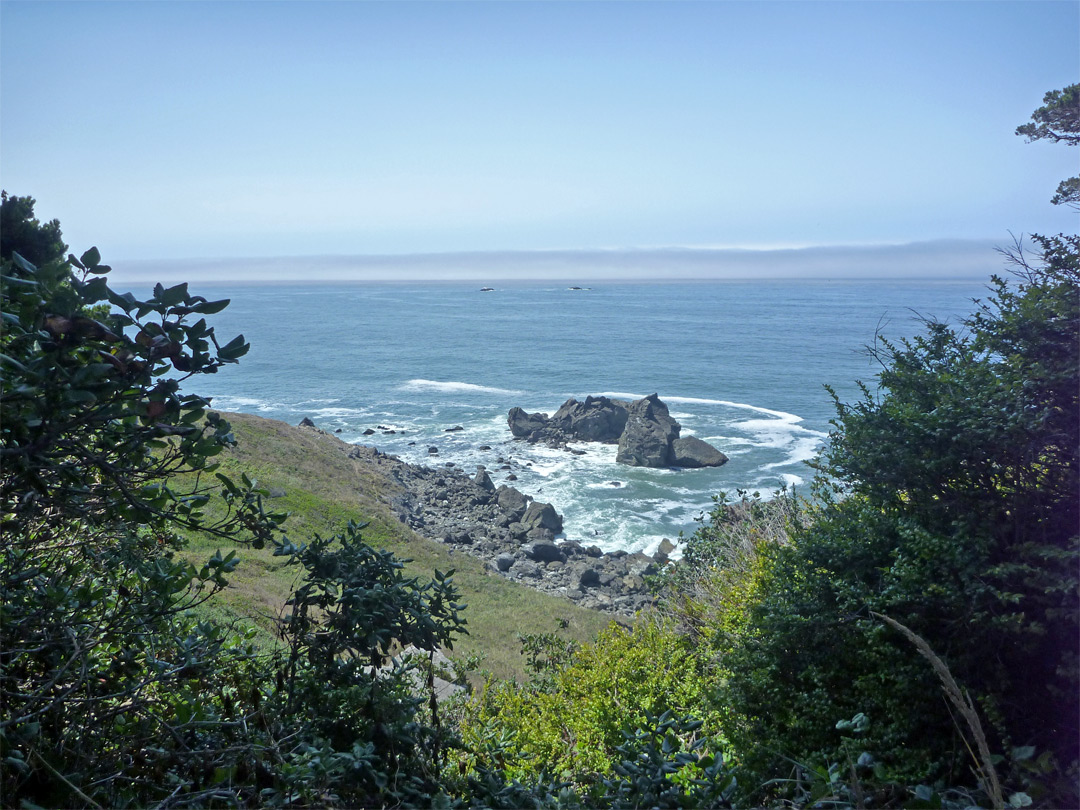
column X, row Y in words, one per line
column 740, row 364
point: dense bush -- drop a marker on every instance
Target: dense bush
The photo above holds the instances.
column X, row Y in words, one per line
column 114, row 693
column 572, row 717
column 949, row 504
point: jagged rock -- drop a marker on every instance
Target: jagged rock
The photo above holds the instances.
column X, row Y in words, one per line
column 597, row 419
column 483, row 480
column 542, row 515
column 433, row 451
column 543, row 552
column 523, row 425
column 306, row 422
column 449, row 506
column 453, row 429
column 640, row 565
column 663, row 551
column 511, row 501
column 646, row 433
column 585, row 577
column 691, row 451
column 369, row 432
column 525, row 568
column 649, row 433
column 541, row 534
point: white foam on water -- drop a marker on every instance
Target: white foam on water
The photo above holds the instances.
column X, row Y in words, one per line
column 225, row 402
column 453, row 386
column 619, row 395
column 329, row 413
column 782, row 415
column 800, row 450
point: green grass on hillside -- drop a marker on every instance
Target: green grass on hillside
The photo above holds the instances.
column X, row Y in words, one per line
column 323, row 489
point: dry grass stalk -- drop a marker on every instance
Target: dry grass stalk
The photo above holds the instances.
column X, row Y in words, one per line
column 984, row 765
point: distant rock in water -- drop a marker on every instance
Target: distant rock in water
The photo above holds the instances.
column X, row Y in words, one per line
column 597, row 419
column 306, row 422
column 650, row 431
column 487, row 289
column 691, row 451
column 646, row 433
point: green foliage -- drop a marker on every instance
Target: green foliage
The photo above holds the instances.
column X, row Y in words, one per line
column 949, row 505
column 1058, row 121
column 115, row 692
column 571, row 719
column 709, row 589
column 20, row 231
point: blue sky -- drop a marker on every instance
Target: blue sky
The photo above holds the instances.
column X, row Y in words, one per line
column 212, row 129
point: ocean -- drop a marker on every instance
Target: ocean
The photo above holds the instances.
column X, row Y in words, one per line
column 741, row 364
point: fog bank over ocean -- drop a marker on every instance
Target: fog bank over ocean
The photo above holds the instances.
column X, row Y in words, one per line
column 938, row 259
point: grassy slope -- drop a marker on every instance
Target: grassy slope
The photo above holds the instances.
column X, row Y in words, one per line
column 323, row 489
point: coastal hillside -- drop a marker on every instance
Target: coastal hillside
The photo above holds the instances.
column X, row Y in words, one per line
column 311, row 474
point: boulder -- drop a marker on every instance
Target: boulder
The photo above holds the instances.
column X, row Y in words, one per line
column 306, row 422
column 542, row 516
column 585, row 577
column 691, row 451
column 663, row 552
column 525, row 568
column 650, row 431
column 504, row 561
column 524, row 425
column 540, row 533
column 644, row 430
column 512, row 501
column 483, row 480
column 544, row 552
column 597, row 419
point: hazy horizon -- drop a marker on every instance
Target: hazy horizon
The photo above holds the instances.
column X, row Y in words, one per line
column 932, row 259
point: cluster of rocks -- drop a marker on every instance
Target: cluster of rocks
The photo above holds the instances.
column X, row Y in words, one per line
column 645, row 431
column 517, row 536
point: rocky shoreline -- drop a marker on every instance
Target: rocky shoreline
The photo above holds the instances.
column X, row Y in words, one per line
column 517, row 536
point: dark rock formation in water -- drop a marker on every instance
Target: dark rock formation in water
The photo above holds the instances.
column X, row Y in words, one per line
column 650, row 431
column 646, row 433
